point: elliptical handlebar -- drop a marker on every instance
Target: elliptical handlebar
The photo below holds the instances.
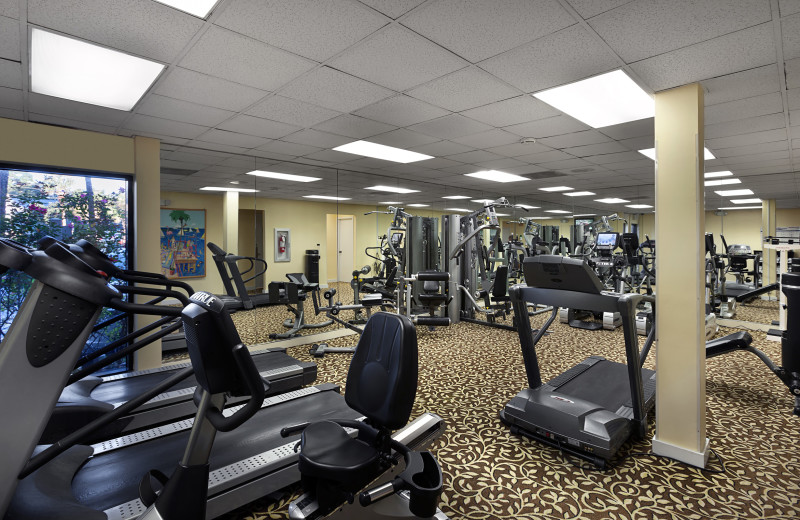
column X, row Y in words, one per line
column 256, row 388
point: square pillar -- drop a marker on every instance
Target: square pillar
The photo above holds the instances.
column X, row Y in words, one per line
column 230, row 222
column 768, row 256
column 680, row 277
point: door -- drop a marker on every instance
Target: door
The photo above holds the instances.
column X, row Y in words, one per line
column 345, row 246
column 251, row 243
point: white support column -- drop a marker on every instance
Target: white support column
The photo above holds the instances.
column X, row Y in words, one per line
column 768, row 258
column 680, row 306
column 230, row 222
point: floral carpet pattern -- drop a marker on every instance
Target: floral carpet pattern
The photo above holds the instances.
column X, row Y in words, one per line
column 467, row 374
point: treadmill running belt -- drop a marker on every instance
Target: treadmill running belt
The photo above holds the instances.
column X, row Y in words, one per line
column 112, row 478
column 605, row 384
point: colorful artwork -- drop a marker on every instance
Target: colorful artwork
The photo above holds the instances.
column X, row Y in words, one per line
column 183, row 243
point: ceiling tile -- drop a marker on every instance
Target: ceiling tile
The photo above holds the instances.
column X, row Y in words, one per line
column 520, row 109
column 441, row 148
column 9, row 38
column 179, row 110
column 67, row 109
column 392, row 8
column 450, row 127
column 10, row 98
column 563, row 57
column 9, row 8
column 589, row 8
column 69, row 123
column 476, row 29
column 750, row 149
column 551, row 126
column 466, row 88
column 575, row 139
column 788, row 7
column 292, row 111
column 792, row 70
column 740, row 85
column 157, row 125
column 790, row 28
column 285, row 148
column 742, row 50
column 476, row 156
column 502, row 164
column 794, row 117
column 744, row 108
column 316, row 29
column 543, row 157
column 489, row 138
column 139, row 27
column 758, row 159
column 206, row 90
column 596, row 149
column 233, row 139
column 438, row 162
column 353, row 126
column 630, row 129
column 403, row 138
column 401, row 111
column 611, row 158
column 10, row 74
column 391, row 58
column 335, row 90
column 240, row 59
column 745, row 126
column 518, row 149
column 317, row 138
column 639, row 143
column 259, row 127
column 747, row 139
column 644, row 29
column 567, row 164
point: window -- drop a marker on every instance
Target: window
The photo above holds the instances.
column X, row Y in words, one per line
column 67, row 206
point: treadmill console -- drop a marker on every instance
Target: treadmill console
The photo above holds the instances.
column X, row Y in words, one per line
column 562, row 273
column 607, row 242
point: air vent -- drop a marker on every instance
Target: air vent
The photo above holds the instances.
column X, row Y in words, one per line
column 177, row 171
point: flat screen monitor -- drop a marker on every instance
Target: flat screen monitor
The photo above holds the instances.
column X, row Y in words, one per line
column 607, row 241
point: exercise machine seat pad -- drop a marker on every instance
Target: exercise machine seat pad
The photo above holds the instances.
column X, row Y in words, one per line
column 382, row 380
column 328, row 452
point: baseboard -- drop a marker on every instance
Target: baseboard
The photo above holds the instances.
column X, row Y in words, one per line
column 691, row 457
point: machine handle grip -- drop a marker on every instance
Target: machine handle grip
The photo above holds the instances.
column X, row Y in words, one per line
column 433, row 277
column 255, row 387
column 291, row 430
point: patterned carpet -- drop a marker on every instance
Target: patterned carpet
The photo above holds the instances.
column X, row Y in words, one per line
column 467, row 374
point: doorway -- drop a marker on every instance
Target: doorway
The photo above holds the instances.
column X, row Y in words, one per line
column 251, row 243
column 345, row 235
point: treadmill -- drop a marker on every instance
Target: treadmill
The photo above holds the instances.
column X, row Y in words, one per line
column 70, row 481
column 594, row 407
column 87, row 397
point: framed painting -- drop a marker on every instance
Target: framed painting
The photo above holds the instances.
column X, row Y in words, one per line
column 183, row 243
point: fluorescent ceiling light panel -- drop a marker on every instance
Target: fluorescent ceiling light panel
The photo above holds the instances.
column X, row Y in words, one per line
column 390, row 202
column 496, row 176
column 391, row 189
column 325, row 197
column 711, row 175
column 419, row 205
column 483, row 201
column 585, row 215
column 638, row 206
column 580, row 193
column 199, row 8
column 381, row 151
column 611, row 201
column 651, row 153
column 556, row 188
column 742, row 207
column 459, row 210
column 746, row 201
column 734, row 193
column 608, row 99
column 502, row 214
column 218, row 188
column 456, row 197
column 283, row 176
column 557, row 211
column 72, row 69
column 722, row 182
column 527, row 206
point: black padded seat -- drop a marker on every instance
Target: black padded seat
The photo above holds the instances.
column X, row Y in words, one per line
column 432, row 299
column 326, row 448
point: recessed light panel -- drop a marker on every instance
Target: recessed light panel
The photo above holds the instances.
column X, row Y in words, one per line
column 219, row 188
column 418, row 205
column 390, row 202
column 199, row 8
column 496, row 176
column 458, row 210
column 580, row 193
column 604, row 100
column 456, row 197
column 585, row 215
column 72, row 69
column 741, row 207
column 712, row 175
column 556, row 188
column 734, row 193
column 638, row 206
column 651, row 153
column 380, row 151
column 527, row 206
column 283, row 176
column 746, row 201
column 722, row 182
column 563, row 211
column 612, row 201
column 391, row 189
column 325, row 197
column 483, row 201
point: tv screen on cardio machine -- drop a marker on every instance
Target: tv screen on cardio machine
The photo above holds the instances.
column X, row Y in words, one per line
column 607, row 241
